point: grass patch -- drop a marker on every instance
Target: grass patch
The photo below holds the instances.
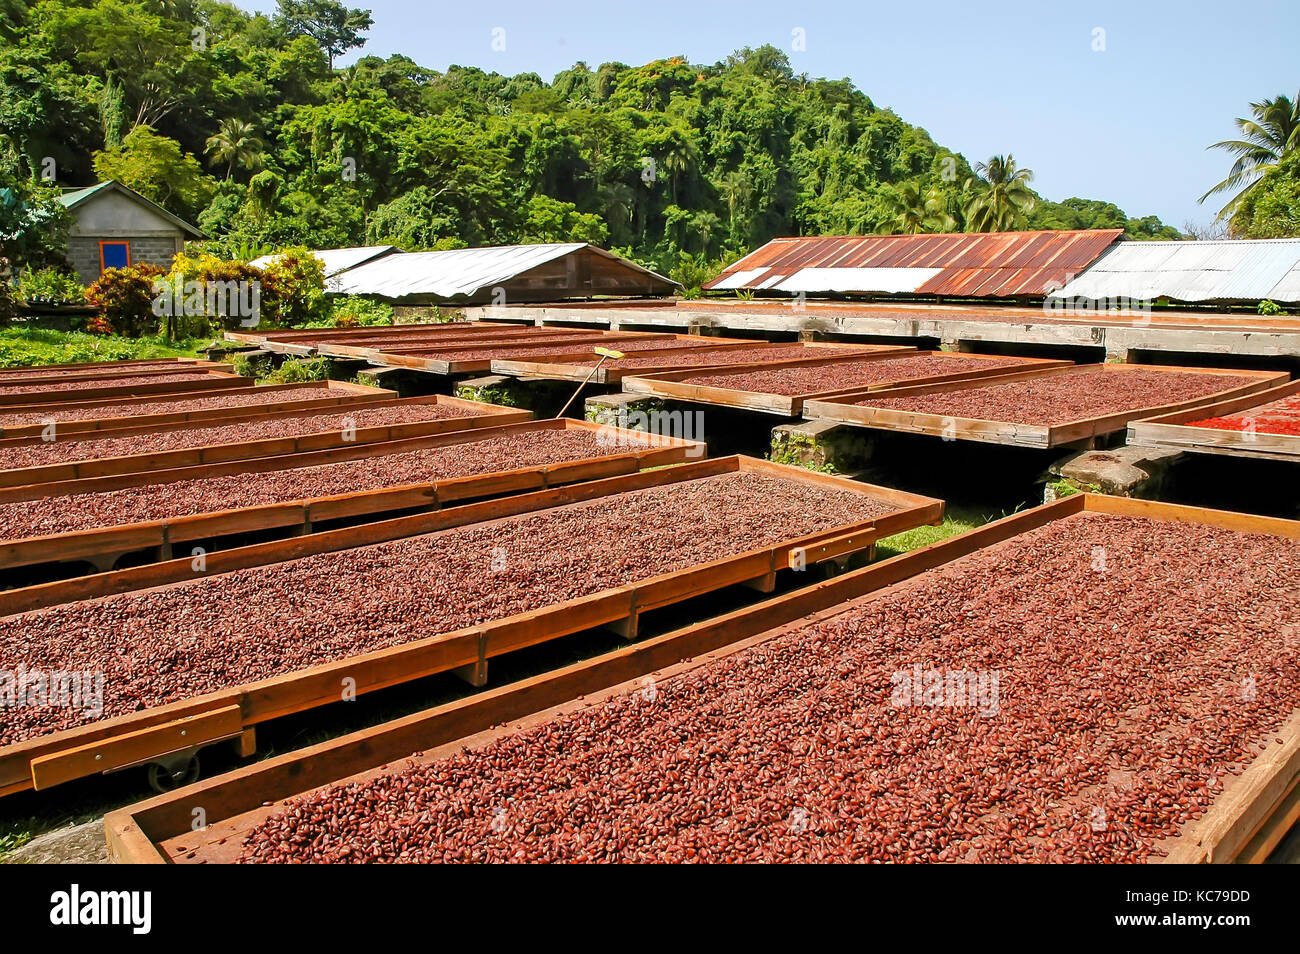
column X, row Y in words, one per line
column 955, row 520
column 24, row 347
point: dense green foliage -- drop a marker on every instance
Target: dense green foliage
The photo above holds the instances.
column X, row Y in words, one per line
column 23, row 347
column 1093, row 214
column 48, row 286
column 239, row 122
column 1272, row 208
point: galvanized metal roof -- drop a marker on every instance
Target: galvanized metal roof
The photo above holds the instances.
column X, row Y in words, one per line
column 1236, row 270
column 338, row 260
column 460, row 272
column 987, row 264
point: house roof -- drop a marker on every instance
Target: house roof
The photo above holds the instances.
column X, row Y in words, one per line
column 80, row 196
column 977, row 264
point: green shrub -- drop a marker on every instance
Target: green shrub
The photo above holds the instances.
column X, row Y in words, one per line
column 691, row 271
column 354, row 311
column 299, row 370
column 1270, row 308
column 50, row 286
column 293, row 289
column 246, row 367
column 187, row 317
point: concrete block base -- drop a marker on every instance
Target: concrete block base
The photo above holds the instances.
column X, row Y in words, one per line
column 1121, row 472
column 822, row 445
column 621, row 409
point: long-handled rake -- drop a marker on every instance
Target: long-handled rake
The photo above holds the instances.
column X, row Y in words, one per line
column 604, row 353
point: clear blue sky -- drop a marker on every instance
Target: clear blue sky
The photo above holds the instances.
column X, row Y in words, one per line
column 1128, row 125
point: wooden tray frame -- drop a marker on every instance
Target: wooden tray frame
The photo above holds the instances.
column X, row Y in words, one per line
column 730, row 353
column 417, row 359
column 205, row 381
column 103, row 544
column 105, row 372
column 330, row 393
column 482, row 415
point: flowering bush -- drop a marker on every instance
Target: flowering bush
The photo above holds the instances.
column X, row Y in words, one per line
column 199, row 292
column 293, row 289
column 124, row 297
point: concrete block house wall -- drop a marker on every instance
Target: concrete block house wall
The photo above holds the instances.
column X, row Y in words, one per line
column 111, row 214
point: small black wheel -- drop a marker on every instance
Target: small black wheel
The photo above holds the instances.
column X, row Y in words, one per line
column 163, row 779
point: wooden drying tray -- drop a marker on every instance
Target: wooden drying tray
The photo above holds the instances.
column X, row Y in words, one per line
column 160, row 732
column 362, row 346
column 303, row 341
column 328, row 393
column 679, row 386
column 718, row 352
column 105, row 372
column 124, row 366
column 482, row 415
column 102, row 546
column 1244, row 823
column 201, row 381
column 368, row 348
column 336, row 334
column 1174, row 431
column 427, row 359
column 845, row 410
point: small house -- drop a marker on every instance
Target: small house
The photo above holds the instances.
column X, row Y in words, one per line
column 114, row 226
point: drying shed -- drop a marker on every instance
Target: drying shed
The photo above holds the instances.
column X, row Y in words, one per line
column 500, row 274
column 977, row 265
column 1242, row 270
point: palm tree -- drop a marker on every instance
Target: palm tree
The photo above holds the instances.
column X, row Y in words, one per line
column 706, row 225
column 619, row 201
column 680, row 158
column 912, row 211
column 737, row 190
column 999, row 195
column 233, row 143
column 1273, row 133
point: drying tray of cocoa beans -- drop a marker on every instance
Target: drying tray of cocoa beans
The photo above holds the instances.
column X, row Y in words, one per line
column 1042, row 408
column 1137, row 714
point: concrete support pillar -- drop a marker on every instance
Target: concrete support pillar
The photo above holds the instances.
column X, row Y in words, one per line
column 822, row 445
column 1121, row 472
column 622, row 409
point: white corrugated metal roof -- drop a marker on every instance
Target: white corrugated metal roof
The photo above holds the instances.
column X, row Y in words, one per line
column 457, row 272
column 338, row 260
column 843, row 280
column 1241, row 270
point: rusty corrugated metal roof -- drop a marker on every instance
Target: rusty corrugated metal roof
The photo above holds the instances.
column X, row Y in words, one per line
column 967, row 265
